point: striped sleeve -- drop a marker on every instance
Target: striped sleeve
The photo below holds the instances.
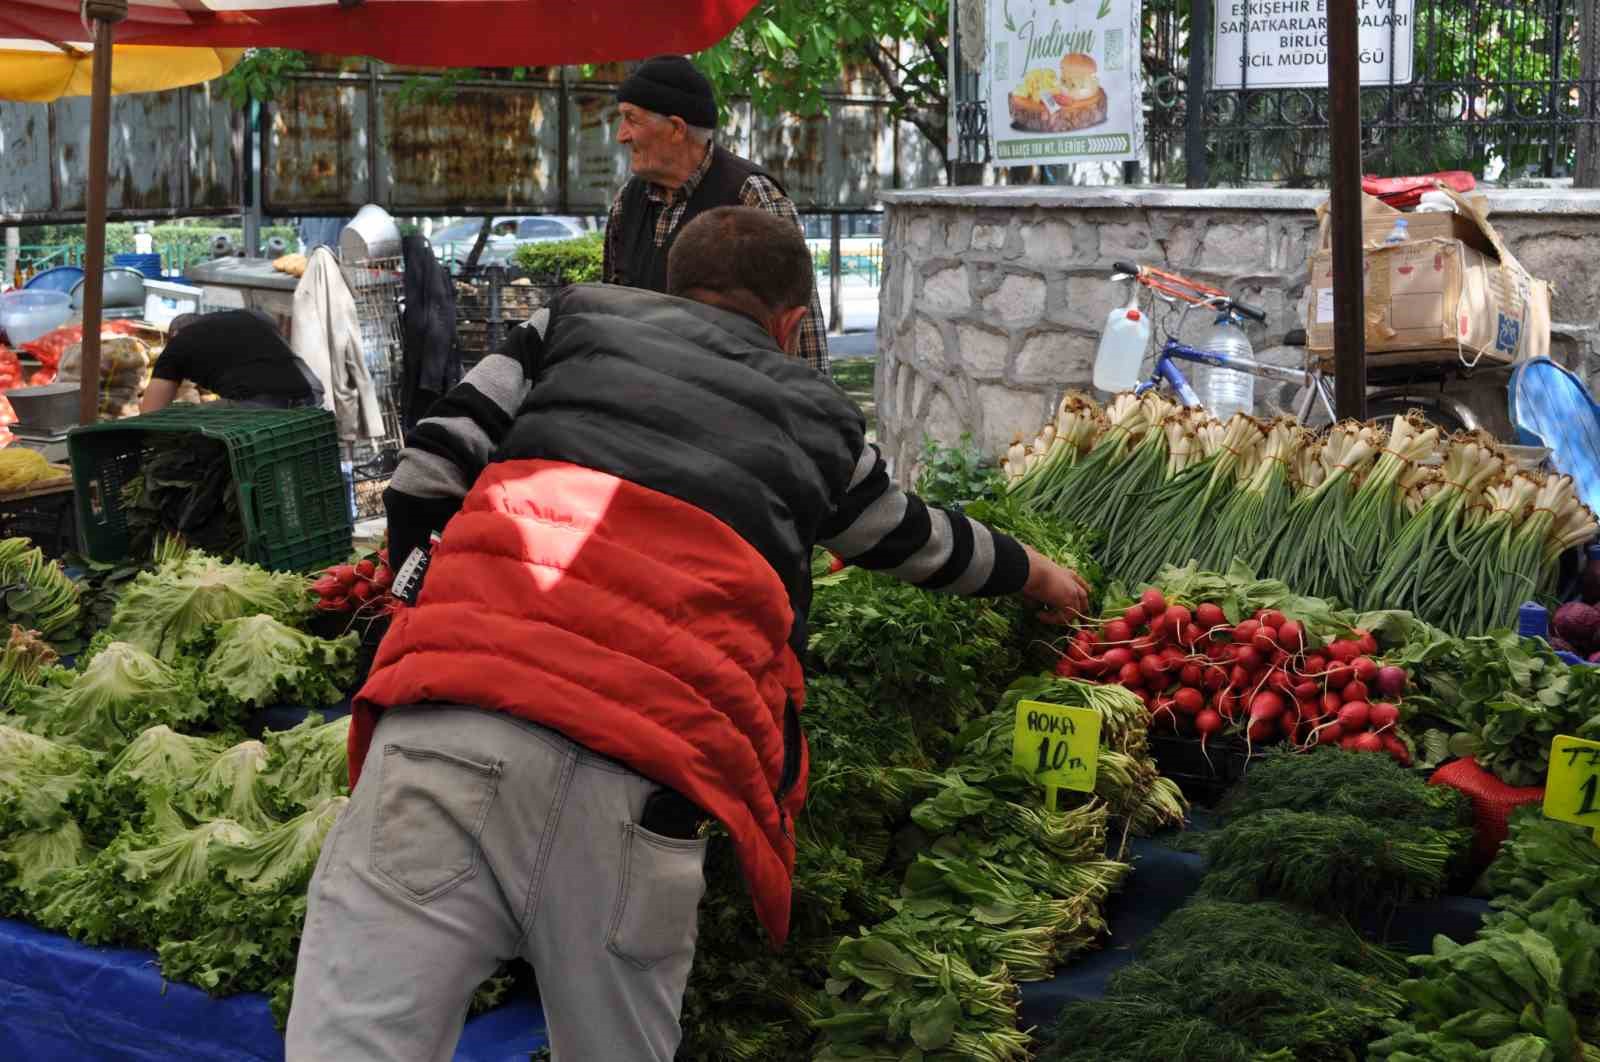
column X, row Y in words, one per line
column 878, row 526
column 450, row 447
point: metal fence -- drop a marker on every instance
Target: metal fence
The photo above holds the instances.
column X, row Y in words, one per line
column 1490, row 86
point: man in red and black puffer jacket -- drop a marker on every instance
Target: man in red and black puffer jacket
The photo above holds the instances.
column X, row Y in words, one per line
column 605, row 653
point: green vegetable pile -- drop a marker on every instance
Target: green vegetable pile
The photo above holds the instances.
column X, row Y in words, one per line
column 1264, row 964
column 928, row 878
column 131, row 810
column 1528, row 988
column 184, row 486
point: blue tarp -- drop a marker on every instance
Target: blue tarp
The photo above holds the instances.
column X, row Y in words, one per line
column 61, row 1001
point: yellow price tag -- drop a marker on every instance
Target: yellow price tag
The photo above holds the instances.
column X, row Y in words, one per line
column 1572, row 788
column 1059, row 747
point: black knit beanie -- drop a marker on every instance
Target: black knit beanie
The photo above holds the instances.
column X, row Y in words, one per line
column 670, row 85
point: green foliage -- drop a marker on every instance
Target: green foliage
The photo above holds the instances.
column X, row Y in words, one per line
column 122, row 691
column 576, row 261
column 163, row 610
column 261, row 75
column 258, row 661
column 956, row 476
column 1542, row 862
column 788, row 54
column 179, row 243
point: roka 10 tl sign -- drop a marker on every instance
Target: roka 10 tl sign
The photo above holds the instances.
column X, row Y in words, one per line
column 1284, row 43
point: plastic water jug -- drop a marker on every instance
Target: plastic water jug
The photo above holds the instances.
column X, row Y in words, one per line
column 1122, row 347
column 1226, row 391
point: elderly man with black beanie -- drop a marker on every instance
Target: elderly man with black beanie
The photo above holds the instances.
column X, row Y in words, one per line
column 669, row 118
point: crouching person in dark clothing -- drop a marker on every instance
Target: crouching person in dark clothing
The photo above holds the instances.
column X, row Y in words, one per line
column 604, row 654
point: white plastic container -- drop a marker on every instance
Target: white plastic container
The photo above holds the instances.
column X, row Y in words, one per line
column 1122, row 349
column 164, row 300
column 1400, row 233
column 27, row 315
column 1226, row 391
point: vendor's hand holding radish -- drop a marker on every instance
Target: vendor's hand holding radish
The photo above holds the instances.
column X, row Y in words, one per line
column 1060, row 589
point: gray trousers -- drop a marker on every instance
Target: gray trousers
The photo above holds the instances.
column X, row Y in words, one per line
column 472, row 838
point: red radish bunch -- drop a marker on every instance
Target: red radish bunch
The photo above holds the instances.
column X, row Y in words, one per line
column 1199, row 674
column 361, row 588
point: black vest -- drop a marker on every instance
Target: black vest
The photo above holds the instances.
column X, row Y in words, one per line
column 640, row 263
column 698, row 403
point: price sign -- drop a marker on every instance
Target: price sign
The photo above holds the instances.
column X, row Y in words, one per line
column 1059, row 747
column 1572, row 788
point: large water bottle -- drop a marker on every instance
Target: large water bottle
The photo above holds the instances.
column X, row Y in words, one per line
column 1122, row 347
column 1226, row 391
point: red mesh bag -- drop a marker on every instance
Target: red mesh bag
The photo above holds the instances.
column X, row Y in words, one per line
column 1493, row 801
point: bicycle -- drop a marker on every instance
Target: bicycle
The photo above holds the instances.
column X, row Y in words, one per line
column 1315, row 396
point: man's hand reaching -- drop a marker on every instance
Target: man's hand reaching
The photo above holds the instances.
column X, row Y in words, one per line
column 1061, row 590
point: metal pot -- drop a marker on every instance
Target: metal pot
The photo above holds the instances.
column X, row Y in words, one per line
column 121, row 287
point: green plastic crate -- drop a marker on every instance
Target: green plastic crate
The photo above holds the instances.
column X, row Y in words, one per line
column 285, row 463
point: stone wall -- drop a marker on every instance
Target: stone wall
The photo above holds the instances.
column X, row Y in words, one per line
column 993, row 298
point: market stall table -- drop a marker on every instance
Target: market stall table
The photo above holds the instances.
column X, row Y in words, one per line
column 60, row 999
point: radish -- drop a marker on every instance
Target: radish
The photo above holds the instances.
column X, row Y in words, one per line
column 1383, row 716
column 1117, row 631
column 1173, row 657
column 1365, row 641
column 1135, row 617
column 1354, row 692
column 1117, row 657
column 1265, row 705
column 1152, row 668
column 1249, row 658
column 1154, row 601
column 1274, row 619
column 1369, row 742
column 1214, row 678
column 1348, row 741
column 345, row 573
column 360, row 592
column 1331, row 703
column 1246, row 631
column 1392, row 681
column 1160, row 628
column 1191, row 675
column 1344, row 651
column 385, row 577
column 1262, row 729
column 365, row 569
column 1306, row 690
column 1366, row 669
column 1178, row 616
column 1207, row 723
column 1226, row 704
column 1238, row 678
column 1340, row 677
column 1353, row 717
column 333, row 604
column 1065, row 668
column 1142, row 646
column 1131, row 675
column 1094, row 666
column 1189, row 701
column 1219, row 651
column 1327, row 735
column 1210, row 616
column 1316, row 664
column 1292, row 635
column 1265, row 639
column 327, row 586
column 1397, row 748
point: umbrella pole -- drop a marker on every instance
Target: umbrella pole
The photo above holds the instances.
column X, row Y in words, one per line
column 106, row 15
column 1344, row 127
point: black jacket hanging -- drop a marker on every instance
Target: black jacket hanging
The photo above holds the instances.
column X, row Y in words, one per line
column 428, row 332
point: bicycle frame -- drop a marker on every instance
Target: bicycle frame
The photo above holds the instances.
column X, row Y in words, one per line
column 1317, row 388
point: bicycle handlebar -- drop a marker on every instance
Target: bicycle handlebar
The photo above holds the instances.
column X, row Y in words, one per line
column 1244, row 309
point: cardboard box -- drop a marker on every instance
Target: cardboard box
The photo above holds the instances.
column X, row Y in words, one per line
column 1438, row 292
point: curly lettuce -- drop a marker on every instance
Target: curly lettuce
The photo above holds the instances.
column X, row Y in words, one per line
column 258, row 661
column 230, row 788
column 161, row 611
column 37, row 778
column 120, row 693
column 308, row 764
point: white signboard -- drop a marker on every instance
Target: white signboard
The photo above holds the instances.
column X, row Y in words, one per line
column 1063, row 81
column 1286, row 42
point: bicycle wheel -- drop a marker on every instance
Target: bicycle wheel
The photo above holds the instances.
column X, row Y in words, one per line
column 1432, row 412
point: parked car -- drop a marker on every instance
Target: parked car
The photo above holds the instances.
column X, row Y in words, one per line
column 453, row 243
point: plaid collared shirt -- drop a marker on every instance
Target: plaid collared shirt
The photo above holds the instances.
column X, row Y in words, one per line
column 759, row 192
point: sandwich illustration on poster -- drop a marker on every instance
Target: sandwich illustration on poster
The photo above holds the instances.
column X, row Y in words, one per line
column 1063, row 81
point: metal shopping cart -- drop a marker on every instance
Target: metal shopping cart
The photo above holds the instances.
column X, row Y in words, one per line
column 377, row 284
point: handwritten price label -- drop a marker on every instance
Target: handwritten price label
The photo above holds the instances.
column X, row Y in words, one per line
column 1059, row 747
column 1572, row 788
